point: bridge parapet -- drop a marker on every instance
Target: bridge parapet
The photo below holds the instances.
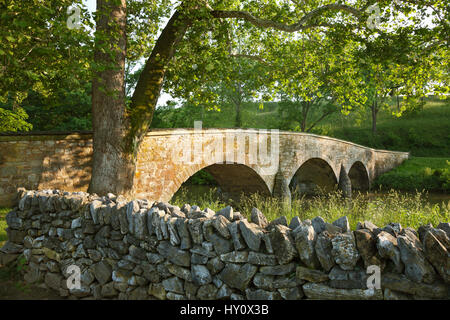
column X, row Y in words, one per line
column 240, row 160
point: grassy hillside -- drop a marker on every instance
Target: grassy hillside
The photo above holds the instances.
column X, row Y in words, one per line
column 424, row 133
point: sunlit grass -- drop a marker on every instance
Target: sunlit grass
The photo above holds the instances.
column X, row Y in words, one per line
column 424, row 133
column 3, row 225
column 410, row 210
column 192, row 196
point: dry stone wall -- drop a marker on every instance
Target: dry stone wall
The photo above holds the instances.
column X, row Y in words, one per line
column 145, row 250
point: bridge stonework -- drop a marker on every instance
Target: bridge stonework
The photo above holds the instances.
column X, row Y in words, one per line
column 63, row 161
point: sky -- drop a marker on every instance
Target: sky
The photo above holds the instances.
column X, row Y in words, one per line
column 91, row 4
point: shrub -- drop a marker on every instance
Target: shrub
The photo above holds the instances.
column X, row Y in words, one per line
column 429, row 174
column 444, row 176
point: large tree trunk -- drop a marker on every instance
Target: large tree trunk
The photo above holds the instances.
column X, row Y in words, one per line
column 118, row 132
column 112, row 168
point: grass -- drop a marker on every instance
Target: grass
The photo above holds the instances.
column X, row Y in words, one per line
column 3, row 225
column 202, row 196
column 410, row 210
column 418, row 173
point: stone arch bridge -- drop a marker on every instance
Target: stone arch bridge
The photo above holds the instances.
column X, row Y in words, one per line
column 240, row 160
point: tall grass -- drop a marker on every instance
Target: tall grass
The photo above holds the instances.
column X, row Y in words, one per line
column 410, row 210
column 196, row 195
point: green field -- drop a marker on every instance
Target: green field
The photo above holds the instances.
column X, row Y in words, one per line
column 424, row 133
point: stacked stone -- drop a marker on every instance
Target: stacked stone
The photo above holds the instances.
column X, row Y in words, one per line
column 154, row 250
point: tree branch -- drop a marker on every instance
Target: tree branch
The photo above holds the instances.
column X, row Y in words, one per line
column 300, row 25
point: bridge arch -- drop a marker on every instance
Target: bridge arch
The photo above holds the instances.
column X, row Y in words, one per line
column 313, row 175
column 359, row 176
column 232, row 178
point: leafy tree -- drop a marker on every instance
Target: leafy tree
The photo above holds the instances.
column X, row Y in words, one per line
column 223, row 73
column 14, row 120
column 39, row 53
column 238, row 80
column 384, row 73
column 69, row 109
column 311, row 73
column 118, row 130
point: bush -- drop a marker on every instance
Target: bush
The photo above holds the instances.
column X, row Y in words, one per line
column 3, row 225
column 431, row 174
column 390, row 140
column 444, row 176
